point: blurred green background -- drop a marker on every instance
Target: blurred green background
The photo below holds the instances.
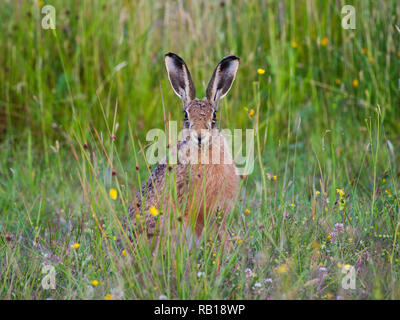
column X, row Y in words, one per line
column 49, row 77
column 325, row 106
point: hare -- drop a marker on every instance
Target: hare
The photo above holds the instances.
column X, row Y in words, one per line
column 205, row 188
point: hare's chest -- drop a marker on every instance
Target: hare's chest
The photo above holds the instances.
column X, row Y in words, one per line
column 217, row 178
column 216, row 186
column 210, row 176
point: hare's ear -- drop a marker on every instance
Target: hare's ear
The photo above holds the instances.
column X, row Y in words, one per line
column 222, row 79
column 179, row 76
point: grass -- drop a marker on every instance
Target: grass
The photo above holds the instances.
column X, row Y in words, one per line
column 73, row 126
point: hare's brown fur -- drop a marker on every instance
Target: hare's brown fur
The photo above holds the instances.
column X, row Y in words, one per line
column 203, row 188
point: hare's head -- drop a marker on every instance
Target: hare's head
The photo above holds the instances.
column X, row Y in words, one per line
column 201, row 115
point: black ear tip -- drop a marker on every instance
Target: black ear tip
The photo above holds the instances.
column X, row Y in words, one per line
column 231, row 58
column 170, row 54
column 178, row 61
column 227, row 62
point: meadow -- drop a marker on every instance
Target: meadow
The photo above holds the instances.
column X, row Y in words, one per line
column 76, row 103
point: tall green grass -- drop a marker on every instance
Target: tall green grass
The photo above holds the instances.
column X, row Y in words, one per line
column 63, row 100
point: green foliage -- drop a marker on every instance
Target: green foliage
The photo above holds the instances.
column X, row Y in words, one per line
column 73, row 123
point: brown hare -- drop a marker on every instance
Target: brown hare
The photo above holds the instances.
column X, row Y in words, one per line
column 205, row 189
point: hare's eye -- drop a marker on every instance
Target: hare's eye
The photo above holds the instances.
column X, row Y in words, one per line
column 186, row 115
column 215, row 114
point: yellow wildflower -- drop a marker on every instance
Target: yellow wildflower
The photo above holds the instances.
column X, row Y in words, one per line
column 239, row 241
column 341, row 192
column 282, row 269
column 124, row 253
column 153, row 211
column 324, row 41
column 294, row 44
column 260, row 71
column 76, row 245
column 108, row 296
column 317, row 192
column 292, row 205
column 95, row 283
column 271, row 176
column 315, row 245
column 247, row 211
column 251, row 112
column 355, row 83
column 113, row 194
